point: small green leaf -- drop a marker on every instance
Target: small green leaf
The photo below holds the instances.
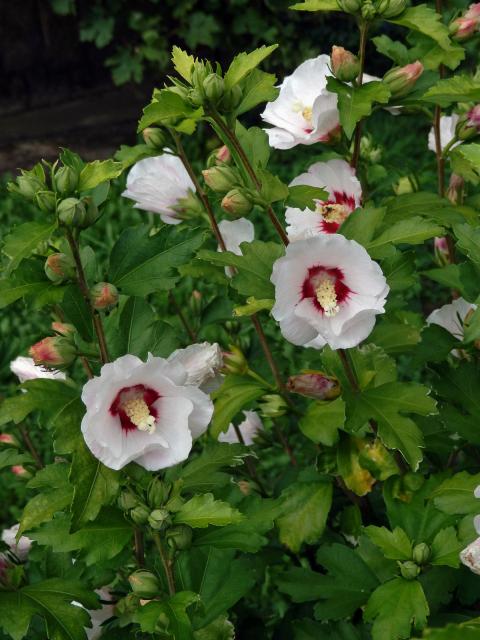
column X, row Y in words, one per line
column 393, row 49
column 410, row 231
column 94, row 173
column 445, row 548
column 183, row 63
column 174, row 610
column 456, row 495
column 427, row 21
column 77, row 312
column 459, row 88
column 166, row 105
column 235, row 394
column 24, row 239
column 272, row 189
column 316, row 5
column 203, row 510
column 465, row 161
column 468, row 239
column 253, row 306
column 303, row 196
column 244, row 63
column 322, row 421
column 258, row 87
column 395, row 544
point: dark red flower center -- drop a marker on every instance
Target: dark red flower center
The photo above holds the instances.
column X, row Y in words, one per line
column 326, row 288
column 335, row 211
column 134, row 407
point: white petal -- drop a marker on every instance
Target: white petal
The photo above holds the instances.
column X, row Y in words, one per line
column 201, row 361
column 451, row 316
column 234, row 232
column 249, row 428
column 26, row 369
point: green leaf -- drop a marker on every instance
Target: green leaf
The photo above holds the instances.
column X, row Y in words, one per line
column 423, row 203
column 44, row 506
column 183, row 63
column 166, row 105
column 456, row 495
column 29, row 282
column 303, row 196
column 468, row 238
column 395, row 544
column 322, row 421
column 410, row 231
column 399, row 270
column 459, row 88
column 203, row 510
column 174, row 609
column 356, row 103
column 361, row 224
column 253, row 306
column 235, row 394
column 128, row 155
column 445, row 548
column 427, row 21
column 244, row 63
column 316, row 5
column 135, row 327
column 305, row 507
column 95, row 485
column 463, row 277
column 254, row 267
column 396, row 606
column 255, row 145
column 395, row 337
column 10, row 457
column 141, row 264
column 272, row 189
column 468, row 630
column 202, row 473
column 77, row 312
column 24, row 239
column 257, row 88
column 94, row 173
column 465, row 161
column 393, row 49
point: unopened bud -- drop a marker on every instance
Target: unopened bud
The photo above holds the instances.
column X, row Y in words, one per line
column 345, row 65
column 140, row 514
column 127, row 501
column 188, row 207
column 27, row 185
column 231, row 99
column 272, row 406
column 442, row 254
column 474, row 117
column 59, row 267
column 470, row 556
column 158, row 518
column 91, row 212
column 221, row 178
column 223, row 155
column 71, row 212
column 103, row 295
column 421, row 553
column 234, row 361
column 8, row 440
column 144, row 584
column 390, row 8
column 157, row 493
column 368, row 10
column 179, row 537
column 46, row 201
column 66, row 180
column 19, row 470
column 314, row 384
column 154, row 137
column 463, row 28
column 455, row 188
column 350, row 6
column 409, row 570
column 63, row 328
column 468, row 124
column 401, row 80
column 214, row 86
column 54, row 352
column 237, row 203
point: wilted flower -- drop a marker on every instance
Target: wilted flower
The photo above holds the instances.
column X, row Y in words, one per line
column 314, row 384
column 54, row 351
column 249, row 428
column 304, row 112
column 202, row 362
column 20, row 548
column 327, row 291
column 158, row 184
column 452, row 316
column 26, row 369
column 447, row 132
column 147, row 412
column 344, row 195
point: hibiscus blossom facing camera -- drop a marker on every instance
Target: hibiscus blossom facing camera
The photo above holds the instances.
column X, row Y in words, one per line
column 159, row 185
column 327, row 291
column 304, row 112
column 146, row 412
column 344, row 195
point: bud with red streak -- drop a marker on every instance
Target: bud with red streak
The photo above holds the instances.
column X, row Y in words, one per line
column 468, row 125
column 223, row 155
column 20, row 471
column 221, row 179
column 103, row 295
column 401, row 80
column 237, row 203
column 314, row 384
column 8, row 439
column 63, row 328
column 54, row 352
column 59, row 267
column 442, row 255
column 455, row 188
column 345, row 65
column 234, row 361
column 467, row 25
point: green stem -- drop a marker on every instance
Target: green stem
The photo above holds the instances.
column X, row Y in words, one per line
column 358, row 129
column 191, row 333
column 166, row 561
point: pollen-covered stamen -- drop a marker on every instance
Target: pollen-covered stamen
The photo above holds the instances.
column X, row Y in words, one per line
column 307, row 114
column 333, row 212
column 327, row 297
column 139, row 413
column 136, row 408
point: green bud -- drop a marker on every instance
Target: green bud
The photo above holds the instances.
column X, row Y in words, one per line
column 234, row 361
column 27, row 185
column 390, row 8
column 59, row 267
column 158, row 518
column 154, row 137
column 72, row 212
column 221, row 178
column 350, row 6
column 144, row 584
column 272, row 406
column 421, row 553
column 140, row 514
column 92, row 213
column 157, row 493
column 103, row 295
column 345, row 65
column 45, row 201
column 231, row 99
column 179, row 537
column 214, row 87
column 409, row 570
column 195, row 97
column 401, row 80
column 127, row 500
column 189, row 207
column 368, row 10
column 127, row 605
column 237, row 203
column 66, row 180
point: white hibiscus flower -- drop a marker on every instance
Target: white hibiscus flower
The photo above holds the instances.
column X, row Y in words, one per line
column 158, row 184
column 202, row 362
column 452, row 316
column 20, row 548
column 327, row 291
column 447, row 132
column 304, row 112
column 26, row 369
column 249, row 428
column 147, row 412
column 344, row 195
column 234, row 232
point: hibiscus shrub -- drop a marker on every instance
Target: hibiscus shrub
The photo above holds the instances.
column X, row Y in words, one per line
column 244, row 428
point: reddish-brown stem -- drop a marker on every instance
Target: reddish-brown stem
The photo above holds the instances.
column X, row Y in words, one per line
column 268, row 354
column 358, row 129
column 30, row 446
column 191, row 333
column 87, row 367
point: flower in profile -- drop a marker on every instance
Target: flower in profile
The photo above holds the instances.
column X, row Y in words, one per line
column 304, row 112
column 314, row 384
column 203, row 362
column 448, row 125
column 401, row 80
column 468, row 24
column 470, row 556
column 344, row 195
column 53, row 352
column 248, row 428
column 26, row 369
column 452, row 316
column 159, row 184
column 20, row 548
column 327, row 291
column 146, row 412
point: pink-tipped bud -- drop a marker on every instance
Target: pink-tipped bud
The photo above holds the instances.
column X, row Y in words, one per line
column 441, row 251
column 473, row 11
column 455, row 188
column 8, row 440
column 20, row 471
column 237, row 203
column 54, row 352
column 154, row 137
column 63, row 328
column 474, row 117
column 221, row 179
column 468, row 125
column 103, row 295
column 59, row 267
column 463, row 28
column 223, row 155
column 401, row 80
column 345, row 65
column 314, row 384
column 234, row 361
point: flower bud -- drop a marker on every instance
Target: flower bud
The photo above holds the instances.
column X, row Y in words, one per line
column 154, row 137
column 409, row 570
column 140, row 514
column 221, row 178
column 350, row 6
column 92, row 213
column 272, row 406
column 401, row 80
column 46, row 201
column 368, row 10
column 455, row 188
column 188, row 207
column 59, row 267
column 470, row 556
column 144, row 584
column 157, row 493
column 179, row 537
column 158, row 518
column 65, row 180
column 237, row 203
column 223, row 155
column 234, row 361
column 390, row 8
column 421, row 553
column 103, row 295
column 127, row 501
column 127, row 605
column 27, row 185
column 463, row 28
column 54, row 352
column 474, row 117
column 20, row 471
column 63, row 328
column 195, row 97
column 214, row 87
column 345, row 65
column 468, row 124
column 71, row 212
column 314, row 384
column 231, row 98
column 442, row 254
column 8, row 440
